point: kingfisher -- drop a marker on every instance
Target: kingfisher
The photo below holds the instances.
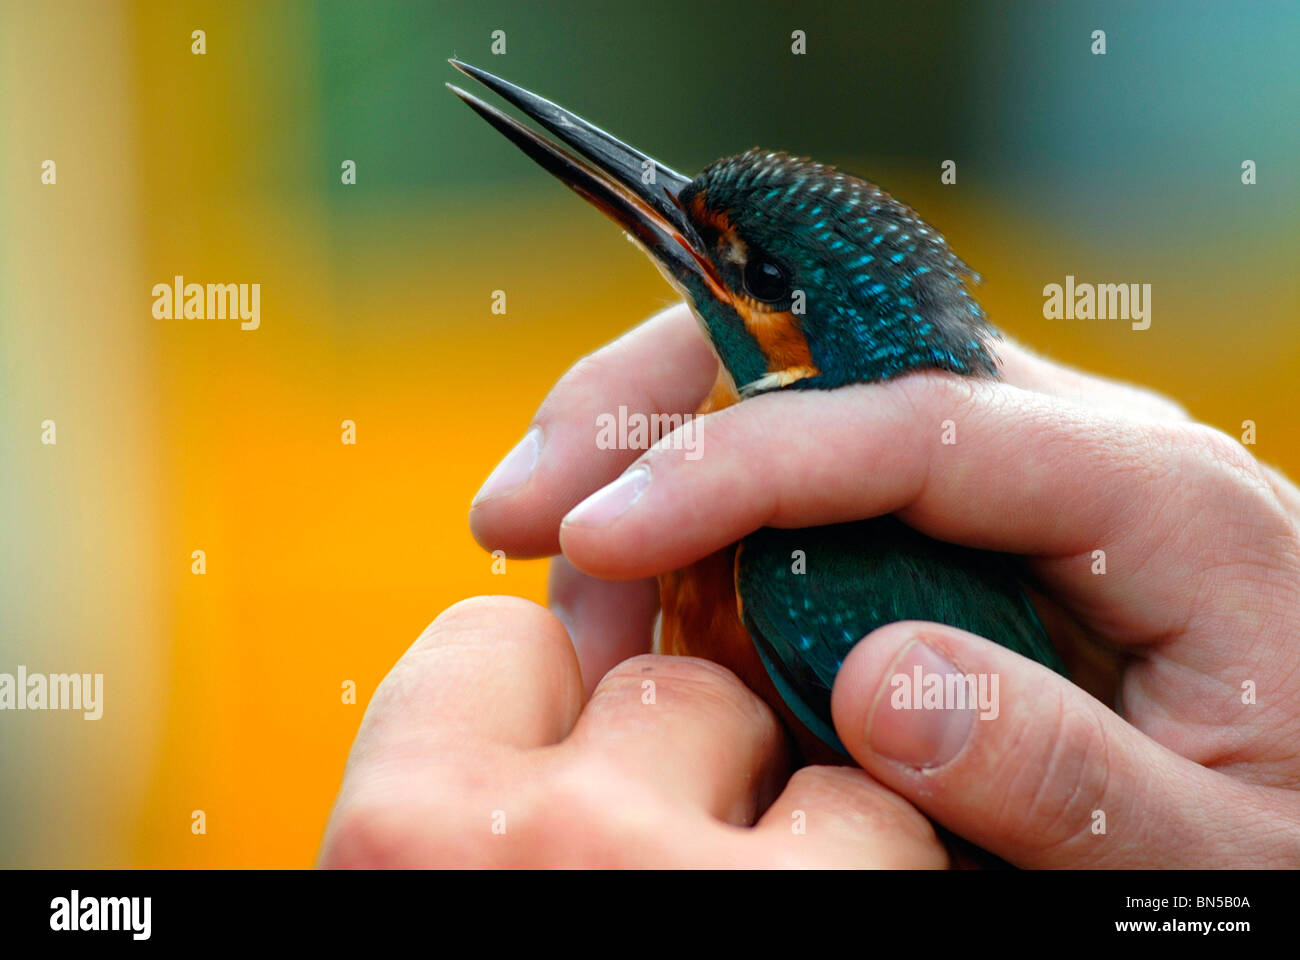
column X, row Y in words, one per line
column 802, row 277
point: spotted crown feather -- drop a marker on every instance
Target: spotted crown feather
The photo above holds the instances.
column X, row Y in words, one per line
column 899, row 297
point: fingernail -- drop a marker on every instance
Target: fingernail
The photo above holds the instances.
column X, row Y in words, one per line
column 512, row 472
column 611, row 501
column 911, row 728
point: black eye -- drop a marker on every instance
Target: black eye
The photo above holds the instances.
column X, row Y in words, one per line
column 765, row 280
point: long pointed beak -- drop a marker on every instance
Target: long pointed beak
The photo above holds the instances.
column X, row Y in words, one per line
column 635, row 191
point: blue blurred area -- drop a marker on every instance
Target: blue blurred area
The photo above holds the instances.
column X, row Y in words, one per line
column 1135, row 147
column 1012, row 84
column 1150, row 137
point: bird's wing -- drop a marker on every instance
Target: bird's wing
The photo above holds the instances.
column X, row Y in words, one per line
column 808, row 596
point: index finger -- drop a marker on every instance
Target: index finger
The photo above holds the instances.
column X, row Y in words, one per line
column 979, row 463
column 665, row 366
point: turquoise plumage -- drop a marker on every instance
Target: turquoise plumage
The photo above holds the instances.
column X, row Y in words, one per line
column 808, row 596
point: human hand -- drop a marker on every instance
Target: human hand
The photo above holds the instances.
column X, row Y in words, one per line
column 480, row 749
column 1196, row 610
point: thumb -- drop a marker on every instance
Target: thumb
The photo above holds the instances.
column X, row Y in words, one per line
column 1015, row 758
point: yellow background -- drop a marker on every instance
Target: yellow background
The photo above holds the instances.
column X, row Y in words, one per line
column 324, row 561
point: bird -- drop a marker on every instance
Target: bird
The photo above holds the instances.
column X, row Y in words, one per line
column 801, row 277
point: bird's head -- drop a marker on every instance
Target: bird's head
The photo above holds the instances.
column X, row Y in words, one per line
column 802, row 276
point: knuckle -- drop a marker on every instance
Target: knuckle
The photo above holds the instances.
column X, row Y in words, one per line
column 684, row 690
column 485, row 816
column 491, row 621
column 1161, row 406
column 366, row 834
column 476, row 617
column 463, row 639
column 591, row 814
column 934, row 393
column 672, row 669
column 852, row 794
column 1240, row 488
column 587, row 379
column 840, row 788
column 687, row 679
column 1217, row 450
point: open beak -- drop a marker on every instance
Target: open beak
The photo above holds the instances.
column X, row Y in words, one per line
column 609, row 174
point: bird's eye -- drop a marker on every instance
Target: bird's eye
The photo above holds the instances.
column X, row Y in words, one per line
column 765, row 280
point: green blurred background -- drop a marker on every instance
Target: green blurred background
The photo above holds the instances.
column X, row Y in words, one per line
column 222, row 692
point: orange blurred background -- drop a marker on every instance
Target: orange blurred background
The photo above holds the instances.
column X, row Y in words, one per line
column 325, row 560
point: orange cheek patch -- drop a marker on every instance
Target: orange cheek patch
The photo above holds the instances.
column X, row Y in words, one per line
column 779, row 337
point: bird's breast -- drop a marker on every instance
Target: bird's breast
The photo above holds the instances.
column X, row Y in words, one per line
column 700, row 617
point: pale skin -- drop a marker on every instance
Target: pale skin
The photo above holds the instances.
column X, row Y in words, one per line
column 505, row 715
